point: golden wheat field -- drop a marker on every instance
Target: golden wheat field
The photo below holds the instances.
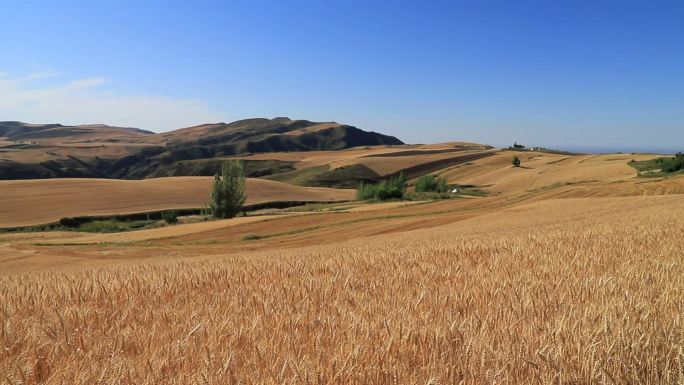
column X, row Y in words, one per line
column 562, row 291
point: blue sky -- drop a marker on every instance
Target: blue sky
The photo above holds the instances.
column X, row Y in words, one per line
column 603, row 74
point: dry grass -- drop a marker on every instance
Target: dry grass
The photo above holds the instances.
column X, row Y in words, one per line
column 607, row 175
column 30, row 202
column 556, row 292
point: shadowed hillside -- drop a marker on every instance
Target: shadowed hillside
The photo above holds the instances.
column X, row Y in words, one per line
column 18, row 131
column 56, row 151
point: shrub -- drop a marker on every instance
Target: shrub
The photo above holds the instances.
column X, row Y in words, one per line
column 442, row 185
column 431, row 183
column 665, row 165
column 103, row 226
column 677, row 163
column 394, row 188
column 69, row 222
column 170, row 217
column 673, row 164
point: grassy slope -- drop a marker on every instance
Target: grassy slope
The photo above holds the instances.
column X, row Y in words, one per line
column 659, row 166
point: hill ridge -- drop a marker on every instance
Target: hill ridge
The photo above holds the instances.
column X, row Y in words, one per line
column 98, row 150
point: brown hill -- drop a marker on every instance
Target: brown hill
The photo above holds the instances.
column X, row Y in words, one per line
column 55, row 151
column 19, row 131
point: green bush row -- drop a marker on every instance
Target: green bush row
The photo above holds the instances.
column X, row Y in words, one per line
column 674, row 164
column 394, row 188
column 431, row 183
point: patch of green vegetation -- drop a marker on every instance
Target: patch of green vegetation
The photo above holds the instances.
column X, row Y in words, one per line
column 170, row 217
column 114, row 226
column 657, row 167
column 431, row 183
column 36, row 228
column 393, row 188
column 109, row 223
column 644, row 165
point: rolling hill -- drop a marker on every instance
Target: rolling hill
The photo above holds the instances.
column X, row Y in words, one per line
column 30, row 151
column 19, row 131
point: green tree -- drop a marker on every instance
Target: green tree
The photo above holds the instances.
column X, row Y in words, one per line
column 228, row 193
column 516, row 161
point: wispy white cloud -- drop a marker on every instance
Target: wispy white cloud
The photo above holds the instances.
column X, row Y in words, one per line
column 92, row 100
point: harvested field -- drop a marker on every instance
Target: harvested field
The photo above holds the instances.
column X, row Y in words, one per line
column 406, row 155
column 31, row 202
column 542, row 170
